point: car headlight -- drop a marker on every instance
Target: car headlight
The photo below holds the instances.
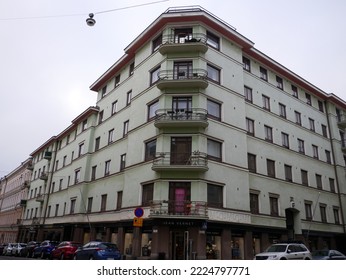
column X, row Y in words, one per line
column 272, row 257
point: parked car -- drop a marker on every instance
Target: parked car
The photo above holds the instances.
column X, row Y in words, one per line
column 29, row 249
column 44, row 249
column 285, row 251
column 17, row 247
column 8, row 249
column 65, row 250
column 97, row 250
column 2, row 247
column 328, row 255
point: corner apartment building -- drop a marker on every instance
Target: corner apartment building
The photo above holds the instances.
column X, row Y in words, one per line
column 221, row 149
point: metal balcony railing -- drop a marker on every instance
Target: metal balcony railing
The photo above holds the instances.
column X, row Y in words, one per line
column 174, row 208
column 195, row 159
column 182, row 75
column 194, row 116
column 184, row 38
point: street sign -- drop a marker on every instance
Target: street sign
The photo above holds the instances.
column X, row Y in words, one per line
column 139, row 212
column 137, row 222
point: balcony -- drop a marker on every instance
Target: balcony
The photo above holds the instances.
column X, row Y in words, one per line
column 341, row 119
column 196, row 42
column 35, row 221
column 25, row 185
column 195, row 161
column 178, row 209
column 194, row 78
column 40, row 198
column 195, row 117
column 30, row 166
column 44, row 176
column 47, row 155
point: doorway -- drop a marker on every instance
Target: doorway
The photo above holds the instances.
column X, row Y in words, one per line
column 181, row 245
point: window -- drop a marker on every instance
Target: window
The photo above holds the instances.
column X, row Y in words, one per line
column 215, row 196
column 338, row 114
column 308, row 211
column 254, row 203
column 131, row 68
column 107, row 167
column 119, row 200
column 251, row 162
column 308, row 98
column 122, row 162
column 332, row 185
column 246, row 64
column 100, row 117
column 285, row 140
column 250, row 126
column 294, row 91
column 147, row 194
column 213, row 41
column 268, row 132
column 312, row 124
column 77, row 176
column 214, row 150
column 271, row 168
column 336, row 215
column 328, row 156
column 213, row 73
column 320, row 106
column 315, row 151
column 152, row 108
column 214, row 110
column 126, row 128
column 266, row 102
column 64, row 161
column 154, row 75
column 56, row 210
column 48, row 212
column 157, row 43
column 248, row 94
column 103, row 202
column 110, row 136
column 298, row 118
column 282, row 109
column 97, row 144
column 90, row 204
column 128, row 97
column 93, row 173
column 263, row 73
column 60, row 184
column 114, row 107
column 288, row 173
column 279, row 83
column 274, row 206
column 324, row 130
column 84, row 125
column 72, row 206
column 319, row 181
column 150, row 150
column 104, row 91
column 117, row 81
column 304, row 176
column 301, row 148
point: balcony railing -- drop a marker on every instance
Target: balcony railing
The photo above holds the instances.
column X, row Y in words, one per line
column 196, row 161
column 44, row 176
column 40, row 198
column 195, row 42
column 174, row 208
column 341, row 119
column 182, row 79
column 181, row 118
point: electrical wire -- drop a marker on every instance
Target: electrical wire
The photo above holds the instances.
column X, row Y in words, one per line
column 74, row 15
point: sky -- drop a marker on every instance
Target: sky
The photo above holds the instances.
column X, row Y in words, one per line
column 49, row 57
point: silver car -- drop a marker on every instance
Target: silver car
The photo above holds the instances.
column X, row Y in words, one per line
column 285, row 251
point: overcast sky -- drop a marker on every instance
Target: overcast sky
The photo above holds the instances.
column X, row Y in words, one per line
column 49, row 56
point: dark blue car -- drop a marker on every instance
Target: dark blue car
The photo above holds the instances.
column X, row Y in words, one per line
column 97, row 250
column 44, row 249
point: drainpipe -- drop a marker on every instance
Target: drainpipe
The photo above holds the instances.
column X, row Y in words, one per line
column 335, row 170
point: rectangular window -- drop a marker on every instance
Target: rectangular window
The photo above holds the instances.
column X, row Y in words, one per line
column 332, row 185
column 288, row 173
column 250, row 126
column 320, row 106
column 298, row 118
column 126, row 128
column 122, row 162
column 312, row 124
column 100, row 117
column 80, row 149
column 282, row 109
column 90, row 204
column 319, row 181
column 128, row 97
column 77, row 176
column 213, row 41
column 308, row 98
column 251, row 161
column 72, row 206
column 304, row 177
column 84, row 124
column 104, row 91
column 131, row 68
column 308, row 211
column 301, row 148
column 114, row 107
column 97, row 144
column 213, row 73
column 279, row 83
column 263, row 73
column 150, row 150
column 271, row 168
column 274, row 206
column 294, row 91
column 214, row 149
column 147, row 194
column 214, row 109
column 328, row 156
column 152, row 108
column 254, row 203
column 107, row 167
column 285, row 140
column 315, row 151
column 246, row 64
column 93, row 172
column 110, row 136
column 154, row 75
column 266, row 102
column 248, row 94
column 268, row 132
column 117, row 81
column 56, row 210
column 336, row 215
column 103, row 202
column 215, row 196
column 157, row 43
column 119, row 200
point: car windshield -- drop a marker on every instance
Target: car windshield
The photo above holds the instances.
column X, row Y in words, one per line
column 277, row 248
column 107, row 246
column 320, row 253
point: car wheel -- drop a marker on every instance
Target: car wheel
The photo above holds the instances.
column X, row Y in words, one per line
column 75, row 257
column 42, row 255
column 283, row 259
column 91, row 257
column 62, row 257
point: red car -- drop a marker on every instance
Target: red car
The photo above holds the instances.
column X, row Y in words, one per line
column 65, row 250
